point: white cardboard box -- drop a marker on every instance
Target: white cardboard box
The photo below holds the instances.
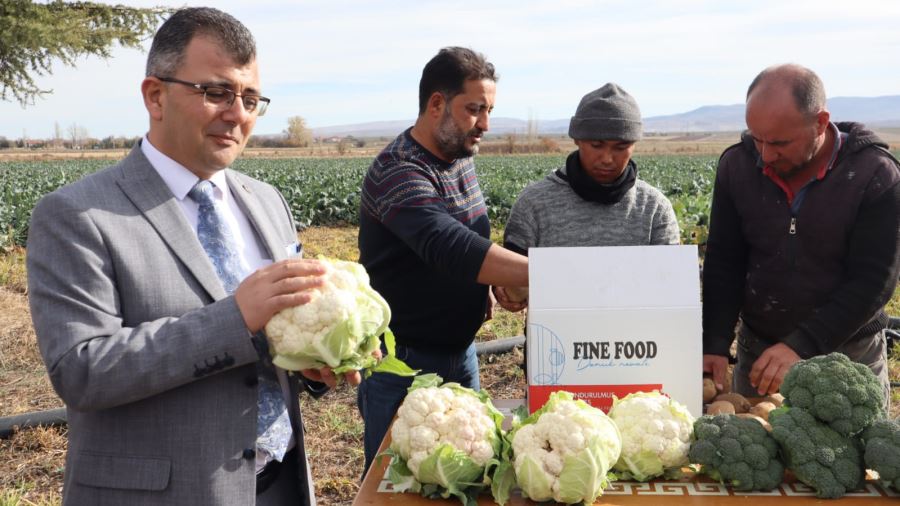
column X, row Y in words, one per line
column 609, row 321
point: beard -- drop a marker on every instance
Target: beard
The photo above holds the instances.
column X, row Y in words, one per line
column 794, row 170
column 791, row 169
column 452, row 141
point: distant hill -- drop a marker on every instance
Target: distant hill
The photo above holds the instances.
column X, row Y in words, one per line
column 873, row 111
column 883, row 112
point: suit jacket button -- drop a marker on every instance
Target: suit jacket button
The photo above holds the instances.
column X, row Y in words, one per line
column 251, row 381
column 249, row 453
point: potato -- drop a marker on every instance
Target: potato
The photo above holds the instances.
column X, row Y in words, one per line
column 776, row 399
column 729, row 375
column 720, row 408
column 762, row 409
column 741, row 404
column 709, row 390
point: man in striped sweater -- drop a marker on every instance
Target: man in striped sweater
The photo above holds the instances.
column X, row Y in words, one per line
column 424, row 236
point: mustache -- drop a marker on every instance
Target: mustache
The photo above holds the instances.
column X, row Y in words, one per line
column 223, row 132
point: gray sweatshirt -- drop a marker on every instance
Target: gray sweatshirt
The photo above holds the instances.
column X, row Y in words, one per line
column 549, row 213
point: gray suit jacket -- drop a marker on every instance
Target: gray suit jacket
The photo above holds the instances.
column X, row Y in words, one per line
column 148, row 352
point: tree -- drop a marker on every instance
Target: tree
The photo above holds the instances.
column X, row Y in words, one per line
column 511, row 140
column 532, row 130
column 57, row 135
column 343, row 145
column 297, row 133
column 33, row 35
column 77, row 134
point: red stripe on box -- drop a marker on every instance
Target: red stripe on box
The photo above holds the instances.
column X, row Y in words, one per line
column 599, row 396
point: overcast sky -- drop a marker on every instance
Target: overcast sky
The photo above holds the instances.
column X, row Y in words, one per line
column 338, row 62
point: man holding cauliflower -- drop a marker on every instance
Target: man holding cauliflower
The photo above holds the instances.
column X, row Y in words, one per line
column 149, row 284
column 424, row 236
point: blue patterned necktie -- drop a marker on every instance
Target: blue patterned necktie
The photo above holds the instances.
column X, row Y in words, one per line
column 273, row 429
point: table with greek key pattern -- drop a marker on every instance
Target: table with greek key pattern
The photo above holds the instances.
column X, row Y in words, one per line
column 691, row 489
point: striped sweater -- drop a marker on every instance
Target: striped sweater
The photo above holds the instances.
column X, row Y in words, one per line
column 423, row 235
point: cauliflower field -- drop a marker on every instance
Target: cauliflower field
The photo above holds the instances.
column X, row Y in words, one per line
column 325, row 191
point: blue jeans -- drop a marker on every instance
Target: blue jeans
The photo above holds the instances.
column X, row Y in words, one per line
column 379, row 396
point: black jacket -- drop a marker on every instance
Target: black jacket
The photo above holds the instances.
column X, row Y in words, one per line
column 823, row 283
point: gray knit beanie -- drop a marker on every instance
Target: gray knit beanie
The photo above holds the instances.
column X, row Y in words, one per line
column 607, row 113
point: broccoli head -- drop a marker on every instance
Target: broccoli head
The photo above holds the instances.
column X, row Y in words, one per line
column 822, row 458
column 882, row 440
column 844, row 394
column 736, row 451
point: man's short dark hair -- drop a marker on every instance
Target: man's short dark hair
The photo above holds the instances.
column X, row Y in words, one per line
column 172, row 38
column 805, row 85
column 448, row 72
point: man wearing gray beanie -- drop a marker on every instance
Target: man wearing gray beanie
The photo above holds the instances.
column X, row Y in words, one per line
column 596, row 199
column 607, row 113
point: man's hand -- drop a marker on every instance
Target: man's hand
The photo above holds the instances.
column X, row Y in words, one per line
column 769, row 369
column 327, row 376
column 717, row 365
column 511, row 299
column 489, row 311
column 275, row 287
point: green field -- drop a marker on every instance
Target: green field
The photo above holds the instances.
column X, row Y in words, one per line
column 325, row 191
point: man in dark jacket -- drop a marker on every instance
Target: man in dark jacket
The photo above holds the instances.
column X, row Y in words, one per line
column 803, row 240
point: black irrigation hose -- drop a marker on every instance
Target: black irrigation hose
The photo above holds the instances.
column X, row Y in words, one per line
column 50, row 418
column 57, row 417
column 499, row 345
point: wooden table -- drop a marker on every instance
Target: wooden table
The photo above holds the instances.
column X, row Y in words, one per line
column 696, row 490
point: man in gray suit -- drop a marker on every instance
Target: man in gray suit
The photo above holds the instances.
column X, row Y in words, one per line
column 149, row 324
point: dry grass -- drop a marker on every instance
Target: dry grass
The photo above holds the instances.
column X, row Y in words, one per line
column 32, row 466
column 12, row 270
column 334, row 242
column 31, row 461
column 24, row 382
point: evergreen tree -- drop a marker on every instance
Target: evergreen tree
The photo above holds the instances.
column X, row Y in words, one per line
column 33, row 35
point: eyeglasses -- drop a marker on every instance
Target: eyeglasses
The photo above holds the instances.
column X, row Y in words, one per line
column 218, row 96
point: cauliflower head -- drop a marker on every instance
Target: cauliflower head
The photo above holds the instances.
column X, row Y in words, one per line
column 443, row 439
column 736, row 451
column 882, row 454
column 819, row 456
column 339, row 327
column 563, row 451
column 656, row 435
column 844, row 394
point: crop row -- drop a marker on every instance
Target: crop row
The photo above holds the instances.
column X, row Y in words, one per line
column 326, row 191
